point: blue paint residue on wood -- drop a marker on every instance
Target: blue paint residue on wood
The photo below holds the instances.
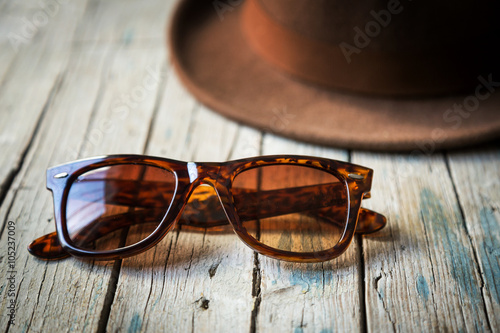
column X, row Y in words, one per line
column 445, row 230
column 128, row 36
column 135, row 324
column 275, row 281
column 301, row 330
column 490, row 251
column 25, row 327
column 422, row 288
column 308, row 279
column 380, row 292
column 168, row 133
column 302, row 279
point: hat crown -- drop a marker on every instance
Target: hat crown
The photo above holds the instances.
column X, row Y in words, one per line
column 236, row 60
column 404, row 48
column 418, row 23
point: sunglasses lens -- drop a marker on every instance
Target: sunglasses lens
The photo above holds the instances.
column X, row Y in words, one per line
column 291, row 207
column 117, row 206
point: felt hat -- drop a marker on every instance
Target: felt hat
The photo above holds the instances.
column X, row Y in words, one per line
column 395, row 75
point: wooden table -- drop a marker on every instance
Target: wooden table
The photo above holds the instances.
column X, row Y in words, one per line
column 85, row 78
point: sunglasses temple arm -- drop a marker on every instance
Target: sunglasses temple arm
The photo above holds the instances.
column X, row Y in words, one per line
column 47, row 247
column 204, row 215
column 307, row 200
column 369, row 221
column 205, row 211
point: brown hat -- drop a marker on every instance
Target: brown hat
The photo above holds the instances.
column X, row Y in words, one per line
column 385, row 75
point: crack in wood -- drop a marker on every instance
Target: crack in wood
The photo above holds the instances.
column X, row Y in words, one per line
column 471, row 242
column 362, row 274
column 434, row 305
column 39, row 293
column 111, row 290
column 213, row 269
column 302, row 319
column 361, row 285
column 165, row 267
column 256, row 293
column 109, row 298
column 7, row 214
column 192, row 322
column 382, row 299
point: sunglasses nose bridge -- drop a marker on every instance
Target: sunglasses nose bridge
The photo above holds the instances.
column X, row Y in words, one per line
column 203, row 173
column 205, row 207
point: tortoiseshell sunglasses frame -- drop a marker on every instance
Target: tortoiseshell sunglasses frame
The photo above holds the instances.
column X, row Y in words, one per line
column 356, row 180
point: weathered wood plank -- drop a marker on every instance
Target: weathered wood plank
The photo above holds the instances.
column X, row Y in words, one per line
column 6, row 59
column 36, row 44
column 193, row 280
column 310, row 297
column 70, row 294
column 476, row 176
column 139, row 21
column 26, row 23
column 421, row 274
column 43, row 288
column 30, row 73
column 434, row 268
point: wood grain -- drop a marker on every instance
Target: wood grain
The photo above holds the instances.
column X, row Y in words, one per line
column 194, row 280
column 32, row 64
column 43, row 289
column 420, row 269
column 309, row 297
column 476, row 177
column 71, row 295
column 95, row 80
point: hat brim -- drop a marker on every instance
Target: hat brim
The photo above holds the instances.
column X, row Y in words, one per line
column 217, row 66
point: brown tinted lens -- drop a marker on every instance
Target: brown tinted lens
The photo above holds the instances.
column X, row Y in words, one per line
column 291, row 207
column 116, row 206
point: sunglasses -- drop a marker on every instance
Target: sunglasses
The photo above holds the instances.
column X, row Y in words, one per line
column 293, row 208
